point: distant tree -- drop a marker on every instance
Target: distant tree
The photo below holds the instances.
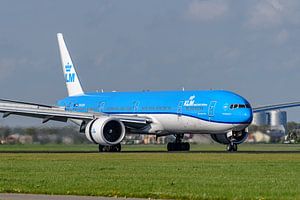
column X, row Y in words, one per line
column 5, row 131
column 292, row 126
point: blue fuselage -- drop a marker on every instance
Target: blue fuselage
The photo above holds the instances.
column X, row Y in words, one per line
column 212, row 106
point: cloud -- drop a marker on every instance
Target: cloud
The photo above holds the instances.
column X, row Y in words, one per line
column 207, row 10
column 273, row 13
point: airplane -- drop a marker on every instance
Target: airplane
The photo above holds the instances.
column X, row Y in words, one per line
column 106, row 117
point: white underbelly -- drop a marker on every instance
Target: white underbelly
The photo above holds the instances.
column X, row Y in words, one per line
column 185, row 124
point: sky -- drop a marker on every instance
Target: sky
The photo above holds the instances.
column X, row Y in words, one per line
column 251, row 47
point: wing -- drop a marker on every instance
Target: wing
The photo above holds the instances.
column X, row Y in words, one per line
column 275, row 107
column 47, row 112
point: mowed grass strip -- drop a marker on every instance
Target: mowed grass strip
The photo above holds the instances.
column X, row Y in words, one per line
column 154, row 175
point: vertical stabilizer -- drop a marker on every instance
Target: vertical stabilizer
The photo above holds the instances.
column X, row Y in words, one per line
column 71, row 77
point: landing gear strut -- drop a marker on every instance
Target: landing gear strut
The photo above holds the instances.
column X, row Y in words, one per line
column 113, row 148
column 232, row 147
column 178, row 145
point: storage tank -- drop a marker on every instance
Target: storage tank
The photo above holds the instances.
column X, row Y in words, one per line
column 277, row 118
column 259, row 119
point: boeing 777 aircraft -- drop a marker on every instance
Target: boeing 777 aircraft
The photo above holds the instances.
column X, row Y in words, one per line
column 107, row 117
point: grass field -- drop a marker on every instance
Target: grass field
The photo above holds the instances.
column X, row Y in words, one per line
column 154, row 174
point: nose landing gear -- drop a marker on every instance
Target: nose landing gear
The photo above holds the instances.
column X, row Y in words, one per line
column 232, row 147
column 178, row 145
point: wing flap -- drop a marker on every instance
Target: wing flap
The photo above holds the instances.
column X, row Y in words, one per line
column 60, row 114
column 56, row 113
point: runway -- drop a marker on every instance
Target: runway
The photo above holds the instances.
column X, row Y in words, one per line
column 6, row 196
column 166, row 152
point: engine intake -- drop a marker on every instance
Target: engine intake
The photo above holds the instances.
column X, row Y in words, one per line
column 105, row 131
column 236, row 137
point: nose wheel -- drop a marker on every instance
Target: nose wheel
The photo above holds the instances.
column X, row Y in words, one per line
column 232, row 147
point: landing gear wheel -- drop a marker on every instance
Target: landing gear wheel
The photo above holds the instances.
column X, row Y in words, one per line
column 235, row 147
column 113, row 148
column 178, row 145
column 116, row 148
column 101, row 148
column 183, row 146
column 228, row 148
column 231, row 147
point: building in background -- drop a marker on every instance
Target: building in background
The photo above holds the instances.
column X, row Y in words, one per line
column 273, row 124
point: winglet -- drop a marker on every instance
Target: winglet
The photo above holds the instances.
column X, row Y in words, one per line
column 71, row 77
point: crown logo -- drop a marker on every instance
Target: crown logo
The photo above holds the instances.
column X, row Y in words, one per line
column 68, row 67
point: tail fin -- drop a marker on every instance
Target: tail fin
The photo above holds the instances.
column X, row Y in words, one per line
column 71, row 77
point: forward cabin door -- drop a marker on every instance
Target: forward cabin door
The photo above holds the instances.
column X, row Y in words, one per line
column 211, row 109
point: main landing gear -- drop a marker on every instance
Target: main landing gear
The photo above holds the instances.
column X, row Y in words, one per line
column 232, row 147
column 113, row 148
column 178, row 145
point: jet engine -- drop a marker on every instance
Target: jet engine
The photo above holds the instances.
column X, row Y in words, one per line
column 105, row 131
column 236, row 137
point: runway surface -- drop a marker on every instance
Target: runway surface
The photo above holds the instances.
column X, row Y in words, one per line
column 214, row 151
column 6, row 196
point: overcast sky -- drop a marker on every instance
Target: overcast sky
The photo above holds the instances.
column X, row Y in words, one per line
column 251, row 47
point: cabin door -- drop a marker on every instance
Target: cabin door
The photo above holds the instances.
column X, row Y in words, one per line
column 179, row 108
column 211, row 108
column 101, row 106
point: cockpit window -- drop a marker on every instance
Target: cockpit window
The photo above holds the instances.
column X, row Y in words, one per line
column 235, row 106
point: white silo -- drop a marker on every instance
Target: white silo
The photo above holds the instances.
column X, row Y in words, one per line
column 277, row 118
column 259, row 119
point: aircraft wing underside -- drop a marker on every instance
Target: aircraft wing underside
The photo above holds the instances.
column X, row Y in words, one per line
column 46, row 113
column 275, row 107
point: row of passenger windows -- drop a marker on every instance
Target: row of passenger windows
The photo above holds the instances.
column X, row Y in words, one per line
column 150, row 108
column 119, row 108
column 156, row 108
column 143, row 108
column 234, row 106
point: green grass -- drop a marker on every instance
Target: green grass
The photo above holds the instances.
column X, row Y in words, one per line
column 156, row 175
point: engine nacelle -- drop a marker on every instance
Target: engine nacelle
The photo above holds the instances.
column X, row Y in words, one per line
column 237, row 137
column 105, row 131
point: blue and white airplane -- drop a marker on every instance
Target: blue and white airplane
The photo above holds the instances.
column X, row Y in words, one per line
column 106, row 117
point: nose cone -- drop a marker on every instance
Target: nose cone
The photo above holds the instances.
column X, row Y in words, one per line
column 246, row 116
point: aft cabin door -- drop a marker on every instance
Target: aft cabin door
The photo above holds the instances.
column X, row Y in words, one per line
column 211, row 108
column 136, row 106
column 101, row 106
